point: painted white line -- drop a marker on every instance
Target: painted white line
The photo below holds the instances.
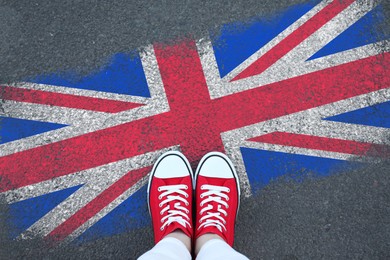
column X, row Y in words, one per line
column 210, row 68
column 106, row 210
column 303, row 151
column 79, row 92
column 52, row 114
column 232, row 148
column 344, row 131
column 44, row 187
column 340, row 58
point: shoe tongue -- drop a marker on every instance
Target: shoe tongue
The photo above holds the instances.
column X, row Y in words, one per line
column 181, row 222
column 219, row 228
column 215, row 206
column 173, row 181
column 215, row 181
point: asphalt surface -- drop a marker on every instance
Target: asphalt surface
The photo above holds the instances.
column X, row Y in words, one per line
column 345, row 216
column 49, row 36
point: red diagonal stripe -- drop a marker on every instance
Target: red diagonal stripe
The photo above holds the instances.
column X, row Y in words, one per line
column 66, row 100
column 323, row 143
column 295, row 38
column 98, row 203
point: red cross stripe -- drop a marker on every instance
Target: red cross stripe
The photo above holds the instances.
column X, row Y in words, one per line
column 194, row 121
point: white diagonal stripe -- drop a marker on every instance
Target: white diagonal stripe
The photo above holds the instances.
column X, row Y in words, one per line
column 308, row 152
column 79, row 92
column 104, row 176
column 105, row 210
column 52, row 114
column 294, row 63
column 293, row 27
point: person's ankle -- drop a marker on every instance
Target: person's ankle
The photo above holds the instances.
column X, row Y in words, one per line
column 182, row 237
column 203, row 239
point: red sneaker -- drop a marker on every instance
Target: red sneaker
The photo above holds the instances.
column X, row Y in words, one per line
column 217, row 196
column 170, row 195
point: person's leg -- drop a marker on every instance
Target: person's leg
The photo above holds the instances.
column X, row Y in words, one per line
column 218, row 249
column 169, row 248
column 217, row 196
column 170, row 207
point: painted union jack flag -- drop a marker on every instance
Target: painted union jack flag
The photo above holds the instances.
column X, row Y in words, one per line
column 306, row 90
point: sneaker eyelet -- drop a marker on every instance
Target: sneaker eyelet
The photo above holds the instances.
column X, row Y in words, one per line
column 201, row 204
column 186, row 187
column 201, row 187
column 159, row 189
column 227, row 198
column 161, row 228
column 160, row 205
column 187, row 203
column 161, row 212
column 201, row 196
column 186, row 196
column 227, row 206
column 159, row 197
column 187, row 211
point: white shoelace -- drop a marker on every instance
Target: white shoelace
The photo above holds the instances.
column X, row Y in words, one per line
column 213, row 217
column 179, row 213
